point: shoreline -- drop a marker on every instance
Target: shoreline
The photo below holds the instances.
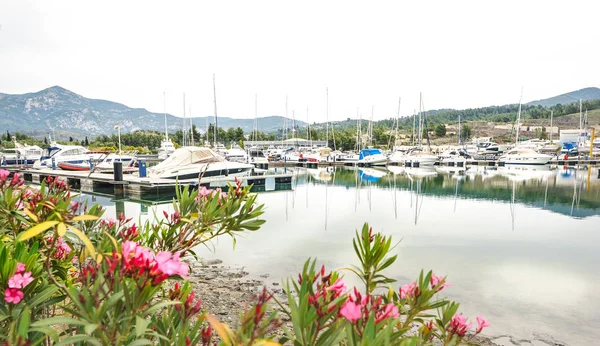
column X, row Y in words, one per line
column 226, row 290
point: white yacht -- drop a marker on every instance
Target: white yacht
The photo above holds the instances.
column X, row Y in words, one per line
column 73, row 154
column 166, row 149
column 372, row 157
column 195, row 162
column 236, row 154
column 454, row 157
column 20, row 154
column 418, row 157
column 524, row 156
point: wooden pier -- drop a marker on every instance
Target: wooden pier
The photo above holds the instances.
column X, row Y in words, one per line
column 141, row 188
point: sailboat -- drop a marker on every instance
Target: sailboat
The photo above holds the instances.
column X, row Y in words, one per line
column 371, row 156
column 166, row 146
column 417, row 157
column 523, row 156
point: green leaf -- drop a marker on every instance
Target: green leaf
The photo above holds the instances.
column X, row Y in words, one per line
column 57, row 320
column 35, row 230
column 79, row 338
column 140, row 325
column 90, row 328
column 140, row 342
column 24, row 322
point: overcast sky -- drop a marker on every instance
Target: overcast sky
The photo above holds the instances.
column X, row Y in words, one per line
column 459, row 54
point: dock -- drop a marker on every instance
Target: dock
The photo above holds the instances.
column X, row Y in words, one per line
column 144, row 188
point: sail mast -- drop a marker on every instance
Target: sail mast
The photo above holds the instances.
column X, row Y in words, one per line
column 519, row 119
column 327, row 116
column 191, row 125
column 184, row 129
column 215, row 100
column 165, row 111
column 551, row 128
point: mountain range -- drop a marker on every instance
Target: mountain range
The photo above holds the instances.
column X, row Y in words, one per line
column 63, row 112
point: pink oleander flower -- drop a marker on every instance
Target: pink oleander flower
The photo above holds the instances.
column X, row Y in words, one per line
column 408, row 290
column 28, row 193
column 389, row 311
column 20, row 280
column 481, row 323
column 16, row 180
column 20, row 268
column 3, row 175
column 203, row 192
column 338, row 287
column 435, row 280
column 351, row 311
column 13, row 295
column 459, row 326
column 109, row 222
column 62, row 249
column 127, row 248
column 169, row 264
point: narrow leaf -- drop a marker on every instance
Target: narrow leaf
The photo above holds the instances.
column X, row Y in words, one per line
column 35, row 230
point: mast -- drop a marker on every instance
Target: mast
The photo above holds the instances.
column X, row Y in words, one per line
column 327, row 116
column 216, row 123
column 580, row 121
column 459, row 130
column 397, row 121
column 414, row 124
column 371, row 125
column 519, row 119
column 191, row 125
column 357, row 130
column 551, row 128
column 255, row 117
column 184, row 129
column 420, row 121
column 308, row 134
column 165, row 111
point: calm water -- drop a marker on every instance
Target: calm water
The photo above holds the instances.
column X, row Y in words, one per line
column 519, row 245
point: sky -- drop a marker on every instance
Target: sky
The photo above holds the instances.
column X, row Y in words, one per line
column 361, row 56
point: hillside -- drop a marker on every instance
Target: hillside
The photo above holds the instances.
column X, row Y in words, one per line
column 265, row 124
column 66, row 113
column 585, row 94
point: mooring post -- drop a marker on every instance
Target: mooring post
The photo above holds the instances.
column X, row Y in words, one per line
column 53, row 163
column 118, row 178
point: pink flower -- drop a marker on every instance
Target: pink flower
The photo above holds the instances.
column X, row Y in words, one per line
column 127, row 248
column 203, row 192
column 408, row 290
column 20, row 280
column 16, row 180
column 435, row 280
column 62, row 249
column 13, row 295
column 3, row 175
column 481, row 323
column 351, row 311
column 169, row 264
column 339, row 287
column 459, row 326
column 20, row 268
column 389, row 311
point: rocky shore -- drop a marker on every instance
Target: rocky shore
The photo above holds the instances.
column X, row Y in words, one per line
column 227, row 290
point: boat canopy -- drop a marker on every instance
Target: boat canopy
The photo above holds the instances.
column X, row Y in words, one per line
column 368, row 152
column 187, row 156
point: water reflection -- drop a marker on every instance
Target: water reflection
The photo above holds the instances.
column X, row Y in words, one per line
column 519, row 244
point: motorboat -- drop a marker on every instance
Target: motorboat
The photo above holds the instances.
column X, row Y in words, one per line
column 524, row 156
column 166, row 149
column 397, row 157
column 344, row 156
column 196, row 162
column 20, row 154
column 103, row 165
column 257, row 156
column 372, row 157
column 417, row 157
column 454, row 157
column 236, row 154
column 72, row 154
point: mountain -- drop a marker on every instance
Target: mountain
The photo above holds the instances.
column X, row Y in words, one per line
column 64, row 112
column 586, row 94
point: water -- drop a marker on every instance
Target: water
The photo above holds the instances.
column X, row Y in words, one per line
column 519, row 244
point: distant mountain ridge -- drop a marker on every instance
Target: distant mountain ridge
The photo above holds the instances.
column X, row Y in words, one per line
column 585, row 94
column 57, row 109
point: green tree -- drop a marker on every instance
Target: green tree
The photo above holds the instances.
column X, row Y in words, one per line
column 465, row 133
column 70, row 139
column 440, row 130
